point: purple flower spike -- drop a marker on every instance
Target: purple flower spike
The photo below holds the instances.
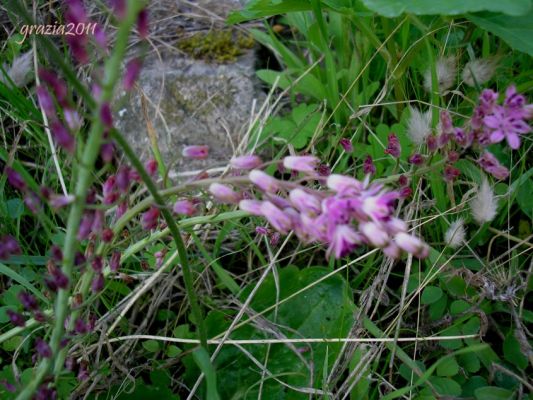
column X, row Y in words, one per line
column 393, row 147
column 46, row 101
column 224, row 193
column 133, row 68
column 62, row 137
column 200, row 152
column 150, row 218
column 246, row 162
column 43, row 349
column 301, row 163
column 491, row 164
column 142, row 23
column 114, row 262
column 368, row 166
column 16, row 318
column 28, row 301
column 264, row 181
column 277, row 218
column 15, row 179
column 184, row 207
column 57, row 85
column 106, row 115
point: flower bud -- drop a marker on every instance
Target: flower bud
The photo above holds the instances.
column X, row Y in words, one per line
column 224, row 193
column 199, row 152
column 300, row 163
column 246, row 162
column 264, row 181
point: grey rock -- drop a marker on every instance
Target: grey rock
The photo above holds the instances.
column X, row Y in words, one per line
column 190, row 102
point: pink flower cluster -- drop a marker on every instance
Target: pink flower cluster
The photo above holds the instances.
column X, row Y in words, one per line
column 345, row 215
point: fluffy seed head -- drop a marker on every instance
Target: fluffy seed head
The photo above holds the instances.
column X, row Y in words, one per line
column 484, row 205
column 418, row 125
column 455, row 235
column 446, row 71
column 478, row 70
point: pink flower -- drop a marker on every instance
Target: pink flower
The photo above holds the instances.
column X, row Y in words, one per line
column 199, row 152
column 15, row 179
column 142, row 23
column 277, row 218
column 304, row 201
column 264, row 181
column 446, row 124
column 411, row 244
column 246, row 162
column 379, row 207
column 343, row 241
column 72, row 118
column 505, row 125
column 151, row 167
column 344, row 185
column 491, row 164
column 224, row 193
column 46, row 101
column 62, row 137
column 184, row 207
column 375, row 234
column 346, row 145
column 251, row 206
column 300, row 163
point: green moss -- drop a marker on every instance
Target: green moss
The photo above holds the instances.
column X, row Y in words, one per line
column 220, row 46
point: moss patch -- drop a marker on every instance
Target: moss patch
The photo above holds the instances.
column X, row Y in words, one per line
column 218, row 46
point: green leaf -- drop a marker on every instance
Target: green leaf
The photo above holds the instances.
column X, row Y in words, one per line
column 204, row 363
column 448, row 367
column 523, row 197
column 446, row 386
column 493, row 393
column 459, row 306
column 431, row 294
column 394, row 8
column 265, row 8
column 5, row 270
column 11, row 344
column 512, row 351
column 151, row 345
column 173, row 351
column 515, row 31
column 15, row 208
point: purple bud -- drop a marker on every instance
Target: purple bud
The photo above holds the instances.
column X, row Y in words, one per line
column 251, row 206
column 79, row 259
column 100, row 36
column 277, row 218
column 9, row 387
column 375, row 234
column 46, row 102
column 492, row 165
column 83, row 373
column 142, row 23
column 264, row 181
column 86, row 225
column 56, row 254
column 57, row 85
column 107, row 150
column 28, row 301
column 62, row 137
column 98, row 222
column 133, row 68
column 411, row 245
column 184, row 207
column 107, row 235
column 149, row 218
column 416, row 159
column 368, row 166
column 16, row 318
column 199, row 152
column 109, row 190
column 80, row 327
column 305, row 202
column 123, row 178
column 58, row 201
column 453, row 156
column 224, row 193
column 432, row 142
column 346, row 145
column 72, row 118
column 8, row 247
column 246, row 162
column 324, row 170
column 151, row 167
column 57, row 279
column 45, row 393
column 98, row 283
column 78, row 48
column 70, row 364
column 114, row 262
column 39, row 317
column 261, row 230
column 119, row 8
column 121, row 210
column 75, row 11
column 300, row 163
column 446, row 122
column 15, row 179
column 405, row 192
column 43, row 349
column 274, row 239
column 393, row 147
column 106, row 116
column 33, row 202
column 97, row 264
column 451, row 173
